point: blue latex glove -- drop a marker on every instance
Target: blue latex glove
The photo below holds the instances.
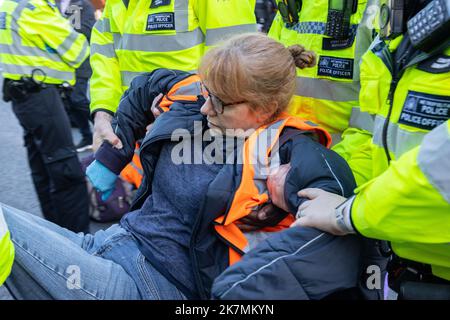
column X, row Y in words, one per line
column 103, row 179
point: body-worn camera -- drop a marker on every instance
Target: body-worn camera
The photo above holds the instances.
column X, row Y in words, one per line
column 392, row 18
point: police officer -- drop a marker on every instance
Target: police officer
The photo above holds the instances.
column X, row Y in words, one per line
column 339, row 32
column 137, row 36
column 403, row 168
column 82, row 13
column 39, row 53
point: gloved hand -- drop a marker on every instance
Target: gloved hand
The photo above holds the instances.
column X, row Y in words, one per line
column 319, row 212
column 103, row 179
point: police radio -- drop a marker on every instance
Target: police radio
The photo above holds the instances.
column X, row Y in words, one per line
column 338, row 20
column 430, row 27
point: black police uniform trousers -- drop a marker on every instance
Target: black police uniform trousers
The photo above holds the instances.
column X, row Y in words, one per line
column 56, row 171
column 79, row 107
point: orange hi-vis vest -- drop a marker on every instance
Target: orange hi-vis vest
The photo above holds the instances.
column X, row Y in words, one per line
column 133, row 172
column 181, row 91
column 252, row 192
column 259, row 155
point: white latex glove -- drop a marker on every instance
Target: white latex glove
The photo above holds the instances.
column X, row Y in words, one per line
column 319, row 212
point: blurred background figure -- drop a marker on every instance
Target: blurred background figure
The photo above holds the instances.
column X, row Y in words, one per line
column 39, row 52
column 81, row 15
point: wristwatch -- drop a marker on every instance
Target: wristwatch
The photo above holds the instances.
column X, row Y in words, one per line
column 343, row 216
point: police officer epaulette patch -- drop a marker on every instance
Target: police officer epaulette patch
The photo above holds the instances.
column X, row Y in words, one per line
column 425, row 111
column 159, row 3
column 438, row 64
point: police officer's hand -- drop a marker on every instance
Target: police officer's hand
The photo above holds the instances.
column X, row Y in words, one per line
column 275, row 185
column 103, row 131
column 319, row 212
column 267, row 216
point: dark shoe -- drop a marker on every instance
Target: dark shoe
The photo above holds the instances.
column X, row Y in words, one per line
column 84, row 144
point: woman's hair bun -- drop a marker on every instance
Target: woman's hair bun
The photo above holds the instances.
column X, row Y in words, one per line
column 302, row 58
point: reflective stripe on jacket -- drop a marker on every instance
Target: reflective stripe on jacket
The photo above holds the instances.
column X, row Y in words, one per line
column 134, row 37
column 252, row 192
column 34, row 35
column 402, row 201
column 327, row 92
column 133, row 172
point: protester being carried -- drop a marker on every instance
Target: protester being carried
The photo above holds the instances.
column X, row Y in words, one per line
column 204, row 201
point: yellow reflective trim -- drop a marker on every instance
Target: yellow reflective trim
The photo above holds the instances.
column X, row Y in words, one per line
column 159, row 43
column 434, row 159
column 399, row 140
column 361, row 120
column 11, row 69
column 106, row 50
column 213, row 36
column 327, row 89
column 103, row 25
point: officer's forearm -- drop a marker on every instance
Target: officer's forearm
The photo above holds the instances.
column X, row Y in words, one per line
column 103, row 115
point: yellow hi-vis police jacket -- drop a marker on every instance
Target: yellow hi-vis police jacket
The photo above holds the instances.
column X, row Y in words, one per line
column 406, row 201
column 326, row 93
column 6, row 250
column 34, row 35
column 137, row 36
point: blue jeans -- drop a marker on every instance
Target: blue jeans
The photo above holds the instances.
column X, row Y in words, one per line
column 54, row 263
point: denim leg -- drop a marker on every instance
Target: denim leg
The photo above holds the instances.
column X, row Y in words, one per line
column 151, row 284
column 57, row 265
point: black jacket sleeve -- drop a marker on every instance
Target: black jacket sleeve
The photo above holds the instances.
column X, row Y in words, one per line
column 134, row 115
column 313, row 166
column 87, row 21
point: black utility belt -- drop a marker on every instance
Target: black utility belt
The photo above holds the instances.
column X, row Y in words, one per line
column 18, row 90
column 401, row 270
column 415, row 281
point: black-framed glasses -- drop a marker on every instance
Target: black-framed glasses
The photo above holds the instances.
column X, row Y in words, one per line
column 218, row 104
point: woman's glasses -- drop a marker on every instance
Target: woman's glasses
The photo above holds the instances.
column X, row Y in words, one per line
column 218, row 104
